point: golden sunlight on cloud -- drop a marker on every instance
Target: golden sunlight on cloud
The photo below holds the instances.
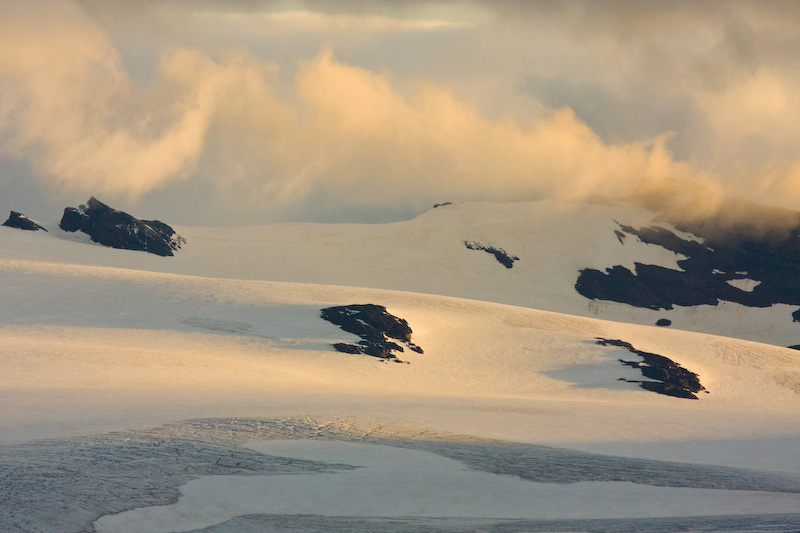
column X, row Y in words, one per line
column 461, row 101
column 72, row 104
column 348, row 132
column 762, row 105
column 340, row 132
column 357, row 133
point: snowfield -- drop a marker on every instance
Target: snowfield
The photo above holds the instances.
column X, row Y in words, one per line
column 201, row 391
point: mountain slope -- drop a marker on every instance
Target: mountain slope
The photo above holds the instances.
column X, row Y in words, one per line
column 155, row 380
column 149, row 334
column 554, row 242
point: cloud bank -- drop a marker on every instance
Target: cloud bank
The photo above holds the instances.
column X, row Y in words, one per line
column 279, row 132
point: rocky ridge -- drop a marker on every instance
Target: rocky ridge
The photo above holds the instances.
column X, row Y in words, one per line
column 754, row 270
column 20, row 221
column 117, row 229
column 375, row 326
column 669, row 377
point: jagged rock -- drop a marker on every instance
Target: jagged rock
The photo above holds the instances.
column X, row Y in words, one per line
column 671, row 378
column 442, row 205
column 707, row 275
column 347, row 348
column 415, row 348
column 374, row 325
column 117, row 229
column 501, row 255
column 20, row 221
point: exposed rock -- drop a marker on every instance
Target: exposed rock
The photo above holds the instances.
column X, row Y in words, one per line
column 794, row 346
column 117, row 229
column 442, row 205
column 20, row 221
column 375, row 326
column 663, row 322
column 501, row 255
column 671, row 378
column 705, row 275
column 347, row 348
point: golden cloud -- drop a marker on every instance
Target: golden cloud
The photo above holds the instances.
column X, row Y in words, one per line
column 346, row 133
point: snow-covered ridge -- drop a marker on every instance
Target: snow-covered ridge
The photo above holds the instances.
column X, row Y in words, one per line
column 109, row 354
column 555, row 241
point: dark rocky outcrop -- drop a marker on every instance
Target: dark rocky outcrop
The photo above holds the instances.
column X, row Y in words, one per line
column 705, row 275
column 670, row 378
column 375, row 326
column 20, row 221
column 442, row 205
column 346, row 348
column 501, row 255
column 117, row 229
column 663, row 322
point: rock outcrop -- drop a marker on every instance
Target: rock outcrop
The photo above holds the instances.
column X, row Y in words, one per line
column 20, row 221
column 375, row 326
column 503, row 257
column 117, row 229
column 752, row 270
column 669, row 377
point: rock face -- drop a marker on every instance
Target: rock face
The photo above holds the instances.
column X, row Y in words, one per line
column 670, row 378
column 116, row 229
column 501, row 255
column 375, row 326
column 20, row 221
column 755, row 270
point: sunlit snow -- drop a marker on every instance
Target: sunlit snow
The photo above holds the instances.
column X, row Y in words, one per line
column 97, row 341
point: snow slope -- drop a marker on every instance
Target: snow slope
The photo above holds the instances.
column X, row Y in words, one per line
column 101, row 346
column 554, row 241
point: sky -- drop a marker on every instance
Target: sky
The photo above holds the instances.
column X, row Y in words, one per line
column 212, row 113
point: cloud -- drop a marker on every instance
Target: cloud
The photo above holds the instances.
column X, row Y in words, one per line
column 720, row 76
column 285, row 134
column 72, row 110
column 344, row 131
column 360, row 141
